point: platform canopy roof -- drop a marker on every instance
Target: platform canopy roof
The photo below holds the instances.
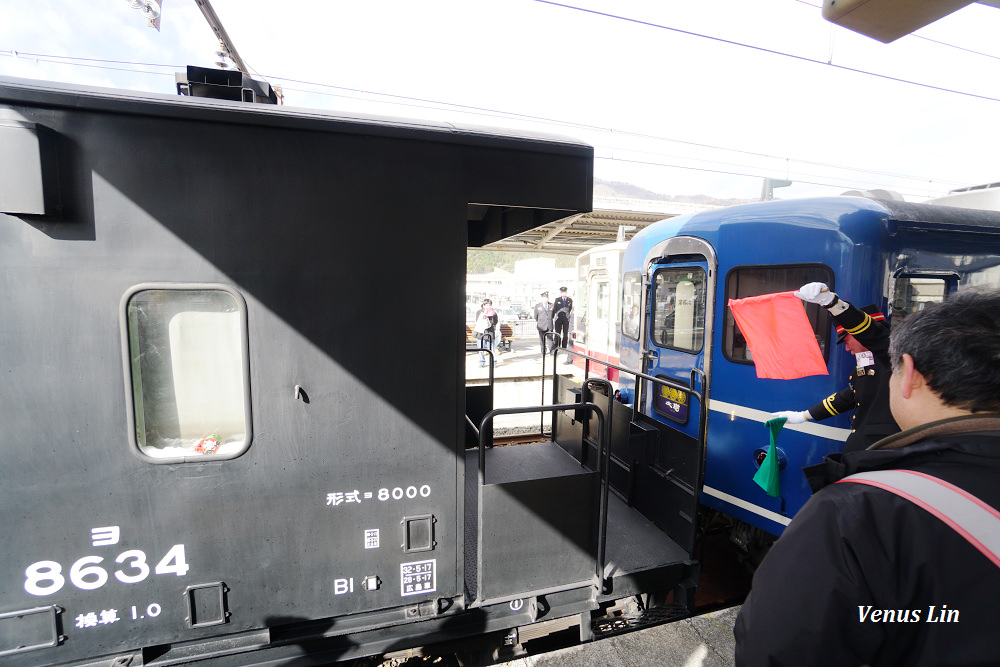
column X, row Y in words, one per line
column 577, row 233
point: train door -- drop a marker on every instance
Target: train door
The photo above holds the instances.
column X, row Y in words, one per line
column 678, row 317
column 599, row 300
column 676, row 335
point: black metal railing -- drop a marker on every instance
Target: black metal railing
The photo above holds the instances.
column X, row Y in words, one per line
column 604, row 455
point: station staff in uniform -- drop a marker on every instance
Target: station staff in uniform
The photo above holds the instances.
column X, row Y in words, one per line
column 562, row 308
column 865, row 333
column 543, row 318
column 895, row 558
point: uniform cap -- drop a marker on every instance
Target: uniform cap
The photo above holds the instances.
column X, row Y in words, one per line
column 544, row 294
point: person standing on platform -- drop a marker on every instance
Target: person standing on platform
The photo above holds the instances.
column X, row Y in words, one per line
column 562, row 308
column 486, row 329
column 543, row 320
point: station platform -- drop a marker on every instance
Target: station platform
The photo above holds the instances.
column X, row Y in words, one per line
column 523, row 361
column 700, row 641
column 518, row 380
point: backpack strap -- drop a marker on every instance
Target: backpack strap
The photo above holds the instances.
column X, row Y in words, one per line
column 967, row 515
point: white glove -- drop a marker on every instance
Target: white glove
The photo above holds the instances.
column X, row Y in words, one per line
column 816, row 293
column 793, row 417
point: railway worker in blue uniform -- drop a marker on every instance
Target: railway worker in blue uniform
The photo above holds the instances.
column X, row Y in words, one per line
column 895, row 560
column 486, row 329
column 543, row 319
column 865, row 334
column 562, row 308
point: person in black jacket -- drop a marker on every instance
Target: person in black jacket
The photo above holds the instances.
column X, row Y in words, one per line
column 562, row 308
column 865, row 334
column 867, row 576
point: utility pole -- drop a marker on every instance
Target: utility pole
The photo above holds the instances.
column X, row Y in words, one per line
column 220, row 32
column 220, row 83
column 767, row 192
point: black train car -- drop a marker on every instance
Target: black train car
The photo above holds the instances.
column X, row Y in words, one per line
column 217, row 441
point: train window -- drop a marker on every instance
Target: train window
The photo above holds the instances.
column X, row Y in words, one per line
column 602, row 305
column 631, row 304
column 188, row 371
column 679, row 308
column 756, row 280
column 912, row 293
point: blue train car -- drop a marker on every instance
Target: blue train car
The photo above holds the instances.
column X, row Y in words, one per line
column 681, row 273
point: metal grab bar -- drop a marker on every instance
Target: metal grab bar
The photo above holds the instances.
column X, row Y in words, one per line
column 602, row 533
column 545, row 346
column 639, row 374
column 702, row 403
column 703, row 422
column 477, row 350
column 471, row 423
column 603, row 444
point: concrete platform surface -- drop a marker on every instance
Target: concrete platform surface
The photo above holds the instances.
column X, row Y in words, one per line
column 700, row 641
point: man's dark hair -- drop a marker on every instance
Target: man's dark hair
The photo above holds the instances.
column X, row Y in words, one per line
column 955, row 345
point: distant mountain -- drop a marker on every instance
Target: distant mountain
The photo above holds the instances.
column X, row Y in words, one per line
column 604, row 188
column 484, row 261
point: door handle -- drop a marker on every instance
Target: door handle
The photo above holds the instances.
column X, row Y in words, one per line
column 652, row 354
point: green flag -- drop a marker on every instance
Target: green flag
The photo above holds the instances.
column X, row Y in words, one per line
column 767, row 476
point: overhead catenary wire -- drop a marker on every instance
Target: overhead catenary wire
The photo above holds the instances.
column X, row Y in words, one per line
column 408, row 101
column 418, row 102
column 735, row 173
column 763, row 49
column 421, row 103
column 921, row 37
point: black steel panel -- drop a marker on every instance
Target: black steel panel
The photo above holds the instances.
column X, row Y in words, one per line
column 621, row 428
column 539, row 534
column 567, row 427
column 304, row 217
column 29, row 182
column 478, row 401
column 678, row 453
column 554, row 173
column 671, row 505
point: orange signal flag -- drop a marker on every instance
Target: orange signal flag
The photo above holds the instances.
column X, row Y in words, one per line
column 779, row 336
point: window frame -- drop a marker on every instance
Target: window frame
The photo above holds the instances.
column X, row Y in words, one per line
column 729, row 321
column 130, row 417
column 622, row 301
column 950, row 280
column 681, row 266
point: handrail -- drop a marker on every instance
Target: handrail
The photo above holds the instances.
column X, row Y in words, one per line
column 702, row 421
column 656, row 380
column 471, row 423
column 702, row 403
column 602, row 445
column 602, row 533
column 545, row 346
column 473, row 350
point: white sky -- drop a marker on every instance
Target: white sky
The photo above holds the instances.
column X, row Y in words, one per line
column 644, row 96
